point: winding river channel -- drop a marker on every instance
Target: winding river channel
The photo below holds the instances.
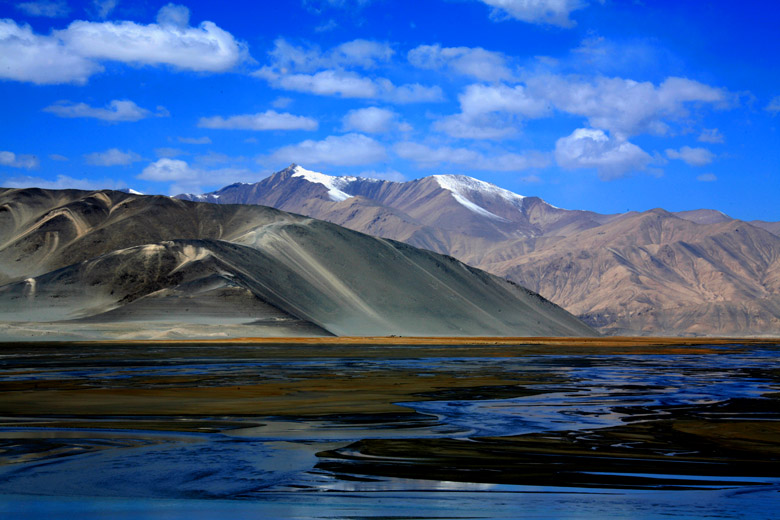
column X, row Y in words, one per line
column 366, row 431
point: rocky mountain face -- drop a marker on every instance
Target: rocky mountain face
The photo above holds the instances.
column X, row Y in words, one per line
column 74, row 261
column 655, row 272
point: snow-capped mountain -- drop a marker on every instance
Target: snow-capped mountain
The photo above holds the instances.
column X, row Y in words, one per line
column 416, row 211
column 651, row 272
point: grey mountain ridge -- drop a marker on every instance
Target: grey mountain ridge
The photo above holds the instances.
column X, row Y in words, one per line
column 111, row 264
column 653, row 272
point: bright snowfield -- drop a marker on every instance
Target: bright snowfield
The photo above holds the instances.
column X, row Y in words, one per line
column 334, row 184
column 461, row 187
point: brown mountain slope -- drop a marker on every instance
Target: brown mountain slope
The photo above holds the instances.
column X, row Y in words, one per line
column 654, row 273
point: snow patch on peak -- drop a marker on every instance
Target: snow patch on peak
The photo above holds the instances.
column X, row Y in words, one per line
column 131, row 191
column 461, row 186
column 335, row 185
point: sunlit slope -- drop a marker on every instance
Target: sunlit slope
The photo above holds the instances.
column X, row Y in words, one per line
column 112, row 256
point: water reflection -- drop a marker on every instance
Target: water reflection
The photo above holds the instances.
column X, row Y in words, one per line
column 292, row 466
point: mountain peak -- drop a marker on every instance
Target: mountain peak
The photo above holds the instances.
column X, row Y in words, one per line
column 464, row 189
column 462, row 184
column 334, row 185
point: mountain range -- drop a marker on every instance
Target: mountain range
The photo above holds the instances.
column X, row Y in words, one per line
column 656, row 272
column 108, row 264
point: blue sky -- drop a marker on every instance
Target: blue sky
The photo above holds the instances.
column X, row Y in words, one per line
column 604, row 105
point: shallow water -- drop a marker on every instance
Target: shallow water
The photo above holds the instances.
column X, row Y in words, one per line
column 687, row 435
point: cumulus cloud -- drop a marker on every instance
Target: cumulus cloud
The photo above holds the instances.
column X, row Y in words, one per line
column 550, row 12
column 118, row 110
column 589, row 148
column 427, row 156
column 623, row 106
column 711, row 135
column 194, row 140
column 325, row 83
column 112, row 157
column 44, row 8
column 43, row 60
column 343, row 150
column 492, row 112
column 310, row 70
column 167, row 169
column 205, row 48
column 692, row 156
column 371, row 120
column 182, row 177
column 63, row 182
column 268, row 120
column 28, row 162
column 707, row 177
column 73, row 54
column 348, row 84
column 467, row 61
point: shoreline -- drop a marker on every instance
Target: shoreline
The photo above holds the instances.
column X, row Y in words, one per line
column 611, row 341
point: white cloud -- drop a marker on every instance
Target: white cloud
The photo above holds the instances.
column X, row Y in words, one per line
column 361, row 53
column 44, row 60
column 492, row 112
column 268, row 120
column 194, row 140
column 711, row 135
column 112, row 157
column 104, row 7
column 44, row 8
column 289, row 58
column 167, row 169
column 62, row 182
column 343, row 150
column 57, row 157
column 622, row 106
column 552, row 12
column 589, row 148
column 326, row 26
column 692, row 156
column 324, row 83
column 371, row 120
column 310, row 70
column 281, row 102
column 118, row 110
column 168, row 152
column 707, row 177
column 348, row 84
column 28, row 162
column 185, row 178
column 73, row 54
column 172, row 15
column 475, row 62
column 774, row 105
column 426, row 156
column 388, row 175
column 204, row 48
column 410, row 93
